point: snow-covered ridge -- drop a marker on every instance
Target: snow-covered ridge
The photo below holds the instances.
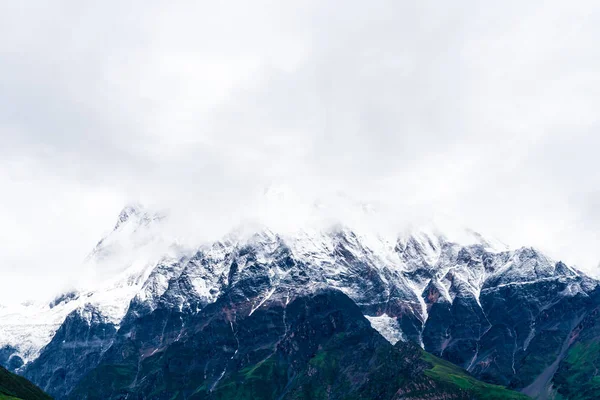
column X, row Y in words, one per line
column 111, row 275
column 136, row 262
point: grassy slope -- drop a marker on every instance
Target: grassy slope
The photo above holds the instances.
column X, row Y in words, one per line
column 15, row 387
column 267, row 379
column 578, row 377
column 447, row 372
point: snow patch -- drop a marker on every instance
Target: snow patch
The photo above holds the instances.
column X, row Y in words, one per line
column 388, row 327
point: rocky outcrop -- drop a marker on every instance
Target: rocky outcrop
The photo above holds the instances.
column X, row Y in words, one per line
column 503, row 315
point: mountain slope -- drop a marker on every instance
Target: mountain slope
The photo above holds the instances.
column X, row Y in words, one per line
column 444, row 371
column 317, row 346
column 577, row 373
column 14, row 387
column 507, row 316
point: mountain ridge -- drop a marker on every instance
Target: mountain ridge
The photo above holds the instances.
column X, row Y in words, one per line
column 450, row 298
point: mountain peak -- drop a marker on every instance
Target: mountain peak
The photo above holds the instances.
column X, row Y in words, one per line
column 137, row 212
column 130, row 210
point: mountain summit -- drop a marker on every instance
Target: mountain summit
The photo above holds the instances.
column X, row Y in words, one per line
column 508, row 317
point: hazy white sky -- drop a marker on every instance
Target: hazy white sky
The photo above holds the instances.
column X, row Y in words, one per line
column 487, row 112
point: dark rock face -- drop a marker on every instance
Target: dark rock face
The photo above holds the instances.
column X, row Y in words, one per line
column 517, row 329
column 10, row 359
column 64, row 298
column 74, row 350
column 233, row 318
column 576, row 369
column 534, row 328
column 317, row 346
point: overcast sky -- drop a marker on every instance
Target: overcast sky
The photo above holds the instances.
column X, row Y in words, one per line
column 488, row 112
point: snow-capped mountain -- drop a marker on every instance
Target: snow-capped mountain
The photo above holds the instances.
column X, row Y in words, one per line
column 111, row 275
column 502, row 314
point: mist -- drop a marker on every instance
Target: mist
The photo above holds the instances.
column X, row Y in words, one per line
column 484, row 114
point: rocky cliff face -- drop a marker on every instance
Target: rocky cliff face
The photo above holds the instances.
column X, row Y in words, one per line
column 507, row 316
column 75, row 349
column 317, row 345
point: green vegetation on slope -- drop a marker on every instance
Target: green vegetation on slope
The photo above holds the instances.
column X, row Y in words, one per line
column 578, row 377
column 329, row 372
column 4, row 397
column 445, row 371
column 324, row 348
column 14, row 387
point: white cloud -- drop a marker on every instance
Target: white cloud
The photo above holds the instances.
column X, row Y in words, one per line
column 484, row 112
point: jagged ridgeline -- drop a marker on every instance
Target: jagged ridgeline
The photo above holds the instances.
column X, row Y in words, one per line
column 317, row 313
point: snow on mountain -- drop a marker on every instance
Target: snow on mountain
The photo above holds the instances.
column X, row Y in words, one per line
column 388, row 327
column 137, row 265
column 28, row 328
column 137, row 238
column 111, row 275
